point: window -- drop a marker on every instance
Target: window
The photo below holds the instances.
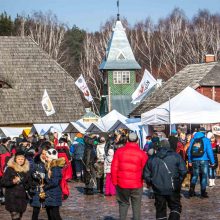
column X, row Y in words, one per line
column 4, row 85
column 121, row 77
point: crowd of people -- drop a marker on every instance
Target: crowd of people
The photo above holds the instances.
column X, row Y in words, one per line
column 36, row 170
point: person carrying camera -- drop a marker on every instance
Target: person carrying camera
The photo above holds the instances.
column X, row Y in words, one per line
column 17, row 181
column 38, row 176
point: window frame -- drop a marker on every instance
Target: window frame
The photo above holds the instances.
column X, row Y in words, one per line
column 121, row 77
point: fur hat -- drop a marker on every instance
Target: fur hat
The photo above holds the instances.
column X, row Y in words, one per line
column 52, row 154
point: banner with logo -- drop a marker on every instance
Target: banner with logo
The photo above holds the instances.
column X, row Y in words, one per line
column 147, row 82
column 47, row 104
column 81, row 84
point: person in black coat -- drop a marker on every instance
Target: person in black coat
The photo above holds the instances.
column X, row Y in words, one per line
column 38, row 176
column 17, row 181
column 52, row 184
column 165, row 172
column 89, row 159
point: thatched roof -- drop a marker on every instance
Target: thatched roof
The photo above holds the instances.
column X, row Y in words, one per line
column 27, row 71
column 194, row 75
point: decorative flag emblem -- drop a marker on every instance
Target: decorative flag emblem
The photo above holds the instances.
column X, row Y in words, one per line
column 47, row 104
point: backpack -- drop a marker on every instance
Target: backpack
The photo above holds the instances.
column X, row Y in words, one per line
column 197, row 149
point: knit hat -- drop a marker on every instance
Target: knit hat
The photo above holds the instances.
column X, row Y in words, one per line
column 132, row 137
column 79, row 135
column 164, row 143
column 210, row 135
column 20, row 153
column 52, row 154
column 173, row 131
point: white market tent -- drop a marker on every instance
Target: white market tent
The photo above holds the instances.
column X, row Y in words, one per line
column 188, row 107
column 75, row 127
column 106, row 122
column 95, row 128
column 10, row 132
column 42, row 129
column 118, row 124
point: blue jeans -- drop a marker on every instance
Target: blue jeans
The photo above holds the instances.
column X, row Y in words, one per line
column 200, row 168
column 212, row 173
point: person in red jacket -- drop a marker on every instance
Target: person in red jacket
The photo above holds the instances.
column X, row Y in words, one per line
column 126, row 170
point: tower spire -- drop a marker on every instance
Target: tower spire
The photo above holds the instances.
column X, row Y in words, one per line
column 118, row 15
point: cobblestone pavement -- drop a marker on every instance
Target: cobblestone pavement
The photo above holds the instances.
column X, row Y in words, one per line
column 80, row 207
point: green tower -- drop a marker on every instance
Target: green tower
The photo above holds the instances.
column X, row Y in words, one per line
column 119, row 68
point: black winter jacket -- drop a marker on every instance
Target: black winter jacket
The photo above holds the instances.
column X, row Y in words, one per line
column 15, row 194
column 165, row 171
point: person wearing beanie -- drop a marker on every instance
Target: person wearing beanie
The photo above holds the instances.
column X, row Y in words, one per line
column 165, row 172
column 16, row 181
column 52, row 187
column 215, row 149
column 126, row 171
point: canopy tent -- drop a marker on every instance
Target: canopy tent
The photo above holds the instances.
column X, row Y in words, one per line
column 10, row 132
column 42, row 129
column 106, row 122
column 75, row 127
column 188, row 107
column 95, row 128
column 118, row 124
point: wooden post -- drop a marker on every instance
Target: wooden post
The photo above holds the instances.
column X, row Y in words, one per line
column 213, row 93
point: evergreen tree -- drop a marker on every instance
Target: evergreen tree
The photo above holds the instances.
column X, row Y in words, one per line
column 6, row 25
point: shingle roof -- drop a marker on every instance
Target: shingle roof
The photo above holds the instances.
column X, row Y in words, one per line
column 119, row 54
column 192, row 75
column 29, row 70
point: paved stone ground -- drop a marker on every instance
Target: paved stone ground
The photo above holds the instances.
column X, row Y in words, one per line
column 80, row 207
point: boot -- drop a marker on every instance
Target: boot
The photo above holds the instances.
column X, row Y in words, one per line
column 210, row 183
column 192, row 190
column 90, row 192
column 204, row 194
column 213, row 182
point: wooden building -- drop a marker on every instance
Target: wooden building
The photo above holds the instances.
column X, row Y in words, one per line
column 25, row 72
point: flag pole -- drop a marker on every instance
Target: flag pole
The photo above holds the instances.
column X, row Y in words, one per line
column 170, row 115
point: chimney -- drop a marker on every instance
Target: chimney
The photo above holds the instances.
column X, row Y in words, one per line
column 209, row 58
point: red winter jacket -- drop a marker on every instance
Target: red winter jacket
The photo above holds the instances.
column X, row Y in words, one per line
column 127, row 166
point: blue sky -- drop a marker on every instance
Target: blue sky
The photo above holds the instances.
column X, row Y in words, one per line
column 90, row 14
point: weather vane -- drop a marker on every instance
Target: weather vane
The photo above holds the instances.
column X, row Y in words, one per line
column 118, row 15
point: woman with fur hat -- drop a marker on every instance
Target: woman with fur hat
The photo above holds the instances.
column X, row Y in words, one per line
column 52, row 188
column 17, row 181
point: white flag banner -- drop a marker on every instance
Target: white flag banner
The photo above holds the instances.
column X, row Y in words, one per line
column 81, row 84
column 147, row 82
column 47, row 104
